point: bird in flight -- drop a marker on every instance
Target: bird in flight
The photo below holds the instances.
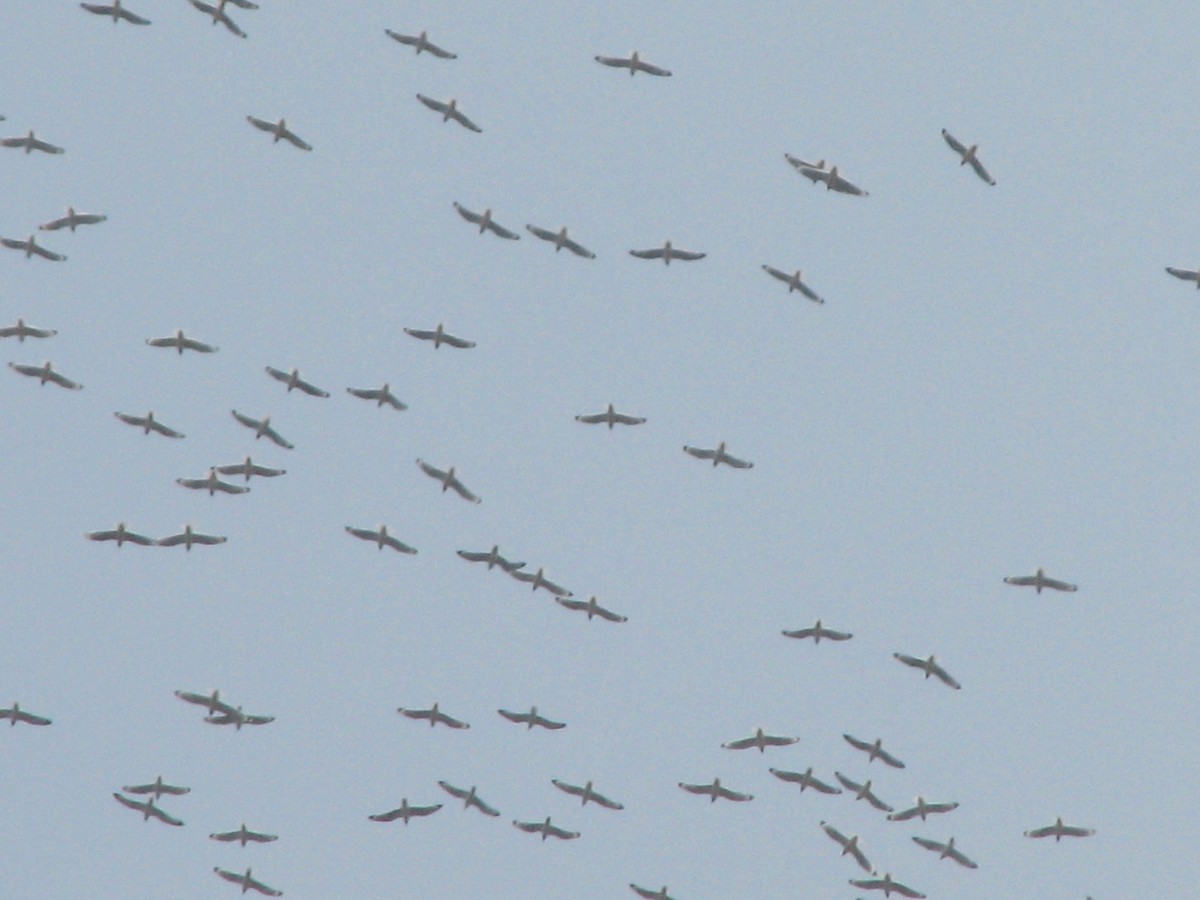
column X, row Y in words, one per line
column 279, row 130
column 116, row 11
column 969, row 155
column 633, row 63
column 148, row 423
column 560, row 239
column 1040, row 580
column 71, row 220
column 718, row 456
column 30, row 142
column 817, row 632
column 420, row 42
column 930, row 667
column 667, row 252
column 181, row 342
column 293, row 380
column 449, row 110
column 760, row 740
column 434, row 715
column 448, row 480
column 486, row 223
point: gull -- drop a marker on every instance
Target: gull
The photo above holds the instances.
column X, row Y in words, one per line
column 586, row 793
column 262, row 427
column 158, row 787
column 148, row 423
column 1039, row 580
column 218, row 14
column 718, row 456
column 46, row 373
column 715, row 790
column 492, row 558
column 849, row 845
column 72, row 219
column 592, row 608
column 121, row 535
column 181, row 342
column 380, row 396
column 211, row 483
column 538, row 580
column 247, row 882
column 31, row 246
column 243, row 835
column 660, row 894
column 188, row 537
column 1185, row 274
column 16, row 714
column 237, row 718
column 833, row 181
column 279, row 130
column 545, row 829
column 449, row 110
column 946, row 851
column 532, row 718
column 434, row 715
column 922, row 809
column 863, row 792
column 667, row 253
column 806, row 780
column 817, row 632
column 405, row 812
column 1060, row 831
column 21, row 331
column 485, row 222
column 116, row 11
column 633, row 63
column 610, row 417
column 793, row 282
column 293, row 380
column 248, row 468
column 380, row 538
column 469, row 798
column 439, row 336
column 968, row 155
column 148, row 809
column 421, row 42
column 448, row 480
column 30, row 142
column 212, row 702
column 929, row 667
column 887, row 885
column 559, row 239
column 874, row 751
column 760, row 740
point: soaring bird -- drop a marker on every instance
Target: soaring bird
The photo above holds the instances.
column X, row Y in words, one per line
column 181, row 342
column 157, row 787
column 121, row 535
column 16, row 714
column 887, row 885
column 72, row 219
column 293, row 380
column 833, row 180
column 244, row 835
column 946, row 851
column 30, row 142
column 592, row 608
column 491, row 557
column 116, row 11
column 586, row 793
column 874, row 751
column 1040, row 580
column 218, row 14
column 793, row 282
column 761, row 741
column 922, row 809
column 248, row 882
column 420, row 42
column 279, row 130
column 248, row 468
column 31, row 247
column 147, row 809
column 1060, row 831
column 806, row 780
column 469, row 798
column 715, row 790
column 531, row 718
column 405, row 812
column 546, row 829
column 44, row 373
column 237, row 719
column 211, row 483
column 449, row 110
column 863, row 792
column 539, row 580
column 817, row 632
column 610, row 417
column 667, row 252
column 188, row 537
column 21, row 331
column 849, row 845
column 148, row 423
column 379, row 395
column 930, row 667
column 633, row 63
column 448, row 480
column 380, row 538
column 485, row 222
column 560, row 239
column 439, row 336
column 969, row 155
column 434, row 715
column 718, row 456
column 262, row 428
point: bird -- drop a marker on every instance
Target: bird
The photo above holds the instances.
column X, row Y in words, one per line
column 262, row 428
column 71, row 220
column 761, row 741
column 610, row 417
column 279, row 130
column 148, row 423
column 586, row 793
column 211, row 483
column 531, row 718
column 560, row 239
column 887, row 885
column 793, row 282
column 181, row 342
column 592, row 608
column 833, row 180
column 946, row 851
column 863, row 792
column 817, row 632
column 44, row 373
column 16, row 714
column 922, row 809
column 1040, row 580
column 874, row 751
column 420, row 42
column 485, row 222
column 806, row 780
column 379, row 395
column 633, row 63
column 849, row 845
column 31, row 247
column 148, row 809
column 211, row 702
column 1060, row 831
column 1185, row 274
column 30, row 142
column 405, row 812
column 929, row 667
column 218, row 14
column 21, row 331
column 469, row 798
column 439, row 336
column 449, row 110
column 116, row 11
column 715, row 790
column 538, row 580
column 660, row 894
column 448, row 480
column 380, row 538
column 244, row 835
column 545, row 829
column 434, row 715
column 718, row 456
column 492, row 558
column 247, row 882
column 666, row 253
column 293, row 380
column 188, row 537
column 248, row 467
column 158, row 787
column 121, row 535
column 237, row 719
column 969, row 155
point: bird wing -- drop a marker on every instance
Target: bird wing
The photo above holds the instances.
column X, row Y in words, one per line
column 132, row 804
column 544, row 233
column 1059, row 585
column 513, row 716
column 420, row 334
column 809, row 292
column 473, row 217
column 652, row 70
column 904, row 815
column 578, row 249
column 458, row 116
column 458, row 342
column 700, row 453
column 889, row 759
column 503, row 232
column 628, row 420
column 132, row 17
column 294, row 139
column 439, row 52
column 388, row 816
column 261, row 124
column 840, row 184
column 733, row 795
column 655, row 253
column 561, row 833
column 981, row 171
column 847, row 783
column 365, row 393
column 609, row 615
column 311, row 389
column 955, row 144
column 278, row 439
column 430, row 470
column 462, row 491
column 1185, row 274
column 945, row 677
column 742, row 744
column 614, row 61
column 737, row 463
column 407, row 39
column 687, row 255
column 431, row 103
column 1021, row 580
column 696, row 788
column 592, row 420
column 572, row 789
column 162, row 814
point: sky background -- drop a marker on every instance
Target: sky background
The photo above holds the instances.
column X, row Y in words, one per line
column 1001, row 378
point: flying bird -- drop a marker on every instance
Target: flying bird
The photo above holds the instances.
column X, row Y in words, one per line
column 218, row 14
column 44, row 373
column 930, row 667
column 439, row 336
column 531, row 718
column 188, row 537
column 586, row 793
column 211, row 483
column 922, row 809
column 817, row 632
column 863, row 792
column 248, row 882
column 21, row 331
column 379, row 395
column 279, row 130
column 761, row 741
column 874, row 751
column 405, row 812
column 1060, row 831
column 849, row 845
column 793, row 282
column 380, row 538
column 610, row 417
column 448, row 480
column 71, row 220
column 147, row 809
column 633, row 63
column 592, row 608
column 469, row 798
column 181, row 342
column 420, row 42
column 243, row 836
column 718, row 456
column 262, row 428
column 116, row 11
column 560, row 239
column 969, row 155
column 16, row 714
column 492, row 558
column 148, row 423
column 946, row 851
column 158, row 787
column 887, row 885
column 449, row 110
column 1040, row 580
column 434, row 715
column 833, row 180
column 121, row 535
column 806, row 780
column 715, row 790
column 30, row 142
column 30, row 247
column 539, row 580
column 293, row 380
column 666, row 253
column 545, row 829
column 248, row 468
column 485, row 222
